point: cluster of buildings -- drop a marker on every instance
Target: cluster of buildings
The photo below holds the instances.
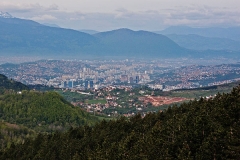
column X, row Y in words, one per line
column 73, row 83
column 84, row 74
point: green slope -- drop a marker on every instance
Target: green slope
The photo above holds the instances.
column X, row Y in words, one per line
column 42, row 111
column 12, row 133
column 25, row 114
column 204, row 129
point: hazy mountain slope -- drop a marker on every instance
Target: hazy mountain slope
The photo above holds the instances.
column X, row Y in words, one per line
column 28, row 37
column 126, row 42
column 230, row 33
column 51, row 25
column 88, row 31
column 197, row 42
column 25, row 36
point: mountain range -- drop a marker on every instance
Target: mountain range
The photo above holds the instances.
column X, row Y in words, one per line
column 196, row 42
column 217, row 32
column 130, row 43
column 20, row 36
column 29, row 38
column 88, row 31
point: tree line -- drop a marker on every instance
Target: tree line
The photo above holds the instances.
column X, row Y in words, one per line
column 199, row 129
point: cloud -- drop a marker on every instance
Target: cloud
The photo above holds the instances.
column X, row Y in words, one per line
column 43, row 18
column 23, row 8
column 52, row 7
column 123, row 13
column 77, row 18
column 202, row 16
column 191, row 15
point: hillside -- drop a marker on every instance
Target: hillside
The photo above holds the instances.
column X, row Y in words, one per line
column 46, row 111
column 214, row 32
column 203, row 129
column 12, row 133
column 6, row 84
column 25, row 114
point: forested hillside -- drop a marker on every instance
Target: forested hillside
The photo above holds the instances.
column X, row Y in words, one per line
column 6, row 85
column 12, row 133
column 25, row 114
column 200, row 129
column 46, row 111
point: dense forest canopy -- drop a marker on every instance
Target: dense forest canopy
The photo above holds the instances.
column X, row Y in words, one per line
column 199, row 129
column 12, row 133
column 46, row 111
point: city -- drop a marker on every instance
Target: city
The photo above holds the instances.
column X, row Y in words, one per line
column 165, row 75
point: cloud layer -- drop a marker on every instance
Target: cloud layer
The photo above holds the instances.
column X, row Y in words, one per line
column 155, row 19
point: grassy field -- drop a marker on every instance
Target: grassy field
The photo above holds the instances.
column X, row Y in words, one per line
column 103, row 117
column 96, row 101
column 73, row 96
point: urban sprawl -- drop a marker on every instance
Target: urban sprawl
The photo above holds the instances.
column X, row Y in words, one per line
column 94, row 74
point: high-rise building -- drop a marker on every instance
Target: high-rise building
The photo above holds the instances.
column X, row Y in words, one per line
column 62, row 84
column 131, row 80
column 65, row 84
column 86, row 84
column 91, row 84
column 70, row 84
column 137, row 79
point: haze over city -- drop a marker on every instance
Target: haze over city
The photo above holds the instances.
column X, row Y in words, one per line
column 151, row 15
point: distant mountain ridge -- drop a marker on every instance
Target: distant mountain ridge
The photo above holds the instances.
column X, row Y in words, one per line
column 29, row 38
column 88, row 31
column 51, row 25
column 19, row 36
column 214, row 32
column 196, row 42
column 5, row 15
column 140, row 42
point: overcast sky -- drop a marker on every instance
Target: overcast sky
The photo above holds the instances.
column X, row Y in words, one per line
column 151, row 15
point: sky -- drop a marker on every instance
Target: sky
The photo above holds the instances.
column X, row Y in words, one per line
column 103, row 15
